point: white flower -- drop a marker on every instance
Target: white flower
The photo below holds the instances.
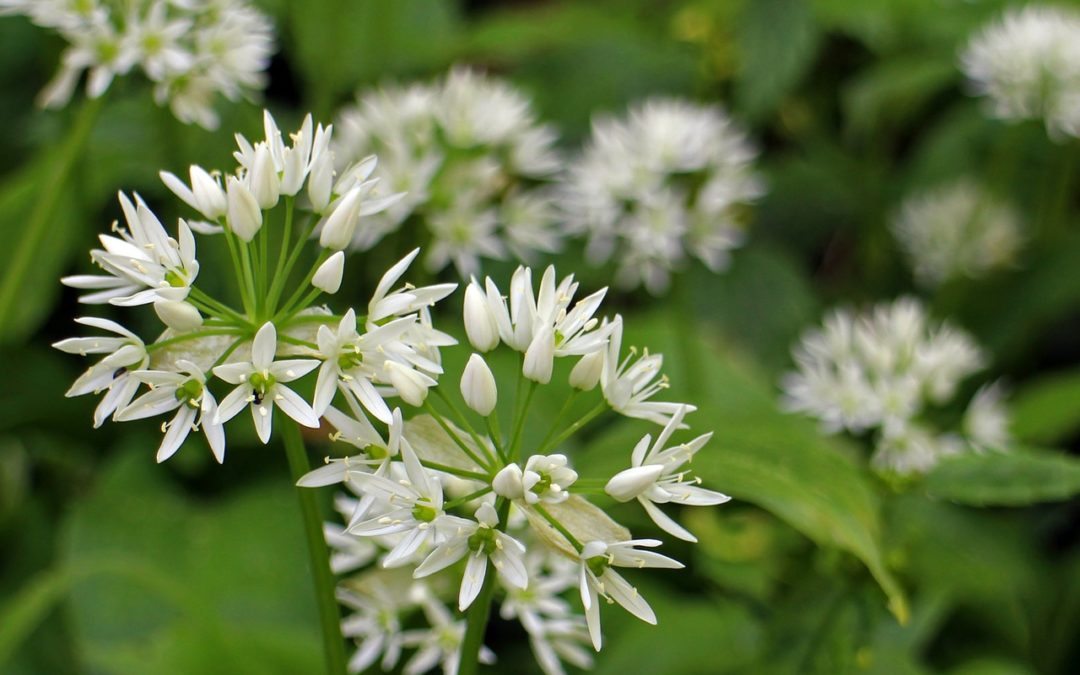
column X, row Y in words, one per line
column 986, row 421
column 439, row 644
column 468, row 151
column 261, row 383
column 191, row 51
column 587, row 372
column 957, row 230
column 375, row 623
column 628, row 385
column 546, row 478
column 205, row 194
column 245, row 216
column 1027, row 64
column 480, row 542
column 328, row 277
column 597, row 579
column 112, row 374
column 655, row 478
column 186, row 393
column 144, row 264
column 667, row 181
column 179, row 316
column 478, row 386
column 412, row 507
column 480, row 323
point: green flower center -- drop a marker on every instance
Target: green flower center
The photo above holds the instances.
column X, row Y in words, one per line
column 174, row 279
column 424, row 513
column 350, row 359
column 483, row 540
column 597, row 564
column 190, row 393
column 260, row 384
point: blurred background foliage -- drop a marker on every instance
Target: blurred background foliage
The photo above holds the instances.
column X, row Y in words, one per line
column 111, row 564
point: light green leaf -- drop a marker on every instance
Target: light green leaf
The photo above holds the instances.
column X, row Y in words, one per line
column 778, row 42
column 1048, row 409
column 1005, row 478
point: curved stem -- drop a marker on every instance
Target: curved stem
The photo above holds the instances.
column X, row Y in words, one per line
column 51, row 193
column 569, row 431
column 329, row 614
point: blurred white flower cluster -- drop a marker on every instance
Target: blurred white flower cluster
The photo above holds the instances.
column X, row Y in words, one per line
column 1028, row 65
column 276, row 335
column 959, row 230
column 670, row 180
column 446, row 508
column 192, row 50
column 881, row 370
column 473, row 160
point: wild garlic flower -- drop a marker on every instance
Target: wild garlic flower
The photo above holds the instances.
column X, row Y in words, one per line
column 472, row 158
column 191, row 51
column 464, row 507
column 1027, row 65
column 880, row 371
column 669, row 181
column 959, row 230
column 267, row 333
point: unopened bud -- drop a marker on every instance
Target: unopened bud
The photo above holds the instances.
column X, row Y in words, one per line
column 478, row 386
column 328, row 277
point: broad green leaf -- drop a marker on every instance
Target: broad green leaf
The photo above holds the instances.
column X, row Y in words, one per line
column 1047, row 410
column 1005, row 478
column 888, row 94
column 223, row 585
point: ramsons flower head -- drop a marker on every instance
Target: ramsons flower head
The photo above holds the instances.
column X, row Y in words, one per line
column 192, row 51
column 472, row 158
column 670, row 181
column 881, row 371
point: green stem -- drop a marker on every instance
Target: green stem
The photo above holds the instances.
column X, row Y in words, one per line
column 329, row 614
column 519, row 422
column 539, row 508
column 572, row 429
column 476, row 619
column 464, row 422
column 283, row 253
column 234, row 247
column 454, row 436
column 52, row 193
column 492, row 422
column 287, row 308
column 249, row 276
column 454, row 471
column 467, row 498
column 221, row 307
column 558, row 418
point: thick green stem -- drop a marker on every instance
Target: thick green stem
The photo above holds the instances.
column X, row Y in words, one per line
column 329, row 614
column 476, row 619
column 51, row 194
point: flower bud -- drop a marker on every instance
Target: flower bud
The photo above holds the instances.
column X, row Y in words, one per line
column 540, row 357
column 587, row 371
column 180, row 316
column 328, row 277
column 411, row 386
column 478, row 386
column 209, row 197
column 245, row 217
column 321, row 181
column 507, row 483
column 480, row 325
column 263, row 179
column 631, row 482
column 337, row 231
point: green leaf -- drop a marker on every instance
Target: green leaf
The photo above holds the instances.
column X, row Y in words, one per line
column 884, row 96
column 223, row 587
column 1048, row 409
column 1005, row 478
column 778, row 42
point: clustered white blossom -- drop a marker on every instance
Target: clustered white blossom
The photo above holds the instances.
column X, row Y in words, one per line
column 279, row 335
column 192, row 50
column 880, row 371
column 473, row 160
column 959, row 230
column 670, row 180
column 1027, row 64
column 444, row 505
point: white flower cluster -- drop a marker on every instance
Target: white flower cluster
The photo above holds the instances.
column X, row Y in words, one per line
column 275, row 339
column 959, row 230
column 192, row 50
column 669, row 181
column 880, row 371
column 462, row 511
column 473, row 160
column 1028, row 65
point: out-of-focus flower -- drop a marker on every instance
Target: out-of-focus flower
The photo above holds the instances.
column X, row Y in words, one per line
column 670, row 180
column 1027, row 64
column 956, row 231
